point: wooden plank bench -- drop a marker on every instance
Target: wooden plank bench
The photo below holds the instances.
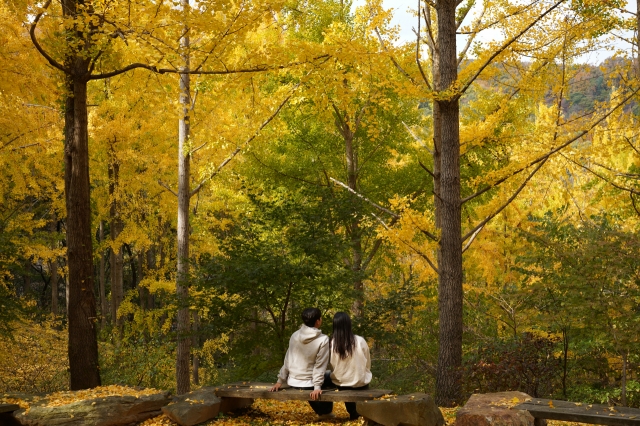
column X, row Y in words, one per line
column 598, row 414
column 256, row 390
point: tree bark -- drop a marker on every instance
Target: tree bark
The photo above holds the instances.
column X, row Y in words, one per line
column 53, row 267
column 142, row 294
column 151, row 265
column 623, row 384
column 448, row 375
column 117, row 257
column 184, row 164
column 83, row 344
column 196, row 344
column 354, row 230
column 103, row 292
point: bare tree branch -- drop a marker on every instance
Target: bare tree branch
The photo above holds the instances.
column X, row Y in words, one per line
column 247, row 142
column 34, row 40
column 153, row 68
column 602, row 177
column 507, row 44
column 555, row 150
column 362, row 197
column 397, row 65
column 418, row 252
column 165, row 186
column 473, row 237
column 424, row 77
column 513, row 197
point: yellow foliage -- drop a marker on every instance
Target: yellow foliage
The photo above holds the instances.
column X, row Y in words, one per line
column 35, row 360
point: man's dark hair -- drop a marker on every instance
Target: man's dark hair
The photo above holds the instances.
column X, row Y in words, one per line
column 310, row 316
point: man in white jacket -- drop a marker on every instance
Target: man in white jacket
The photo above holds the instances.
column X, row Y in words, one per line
column 306, row 361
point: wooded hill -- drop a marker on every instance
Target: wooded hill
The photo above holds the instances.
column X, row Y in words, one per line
column 178, row 181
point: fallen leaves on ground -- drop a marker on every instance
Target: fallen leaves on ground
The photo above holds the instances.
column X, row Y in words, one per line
column 58, row 399
column 294, row 413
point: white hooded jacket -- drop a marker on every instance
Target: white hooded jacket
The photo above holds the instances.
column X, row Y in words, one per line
column 306, row 359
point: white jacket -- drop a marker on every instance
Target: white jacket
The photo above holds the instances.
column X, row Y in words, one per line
column 355, row 370
column 306, row 359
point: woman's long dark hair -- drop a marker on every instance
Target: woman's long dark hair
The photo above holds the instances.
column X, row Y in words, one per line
column 342, row 339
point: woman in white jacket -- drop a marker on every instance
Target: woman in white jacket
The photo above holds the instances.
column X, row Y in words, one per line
column 349, row 358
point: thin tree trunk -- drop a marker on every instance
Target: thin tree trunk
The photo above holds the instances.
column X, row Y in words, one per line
column 184, row 158
column 103, row 292
column 26, row 278
column 355, row 232
column 117, row 261
column 448, row 375
column 142, row 294
column 196, row 344
column 151, row 265
column 623, row 391
column 83, row 344
column 53, row 267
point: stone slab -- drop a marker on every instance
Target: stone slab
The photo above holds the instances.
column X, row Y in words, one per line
column 416, row 409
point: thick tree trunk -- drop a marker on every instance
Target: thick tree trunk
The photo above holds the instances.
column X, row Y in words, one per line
column 103, row 292
column 448, row 375
column 83, row 344
column 184, row 159
column 117, row 257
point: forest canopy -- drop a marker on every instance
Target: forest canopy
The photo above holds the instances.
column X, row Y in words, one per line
column 179, row 180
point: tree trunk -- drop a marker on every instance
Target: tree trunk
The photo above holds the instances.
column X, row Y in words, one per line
column 117, row 260
column 354, row 230
column 103, row 292
column 26, row 278
column 53, row 268
column 142, row 294
column 623, row 384
column 448, row 375
column 195, row 342
column 83, row 344
column 184, row 158
column 151, row 265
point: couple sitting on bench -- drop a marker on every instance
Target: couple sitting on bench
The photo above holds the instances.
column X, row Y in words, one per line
column 309, row 353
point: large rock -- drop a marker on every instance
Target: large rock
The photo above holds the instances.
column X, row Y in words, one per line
column 194, row 407
column 104, row 411
column 494, row 409
column 416, row 409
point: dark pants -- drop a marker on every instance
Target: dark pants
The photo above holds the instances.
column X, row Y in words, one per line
column 321, row 407
column 350, row 406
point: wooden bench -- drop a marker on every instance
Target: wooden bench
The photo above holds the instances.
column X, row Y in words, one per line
column 256, row 390
column 598, row 414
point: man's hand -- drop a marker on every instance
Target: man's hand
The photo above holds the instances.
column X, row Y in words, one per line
column 275, row 387
column 315, row 394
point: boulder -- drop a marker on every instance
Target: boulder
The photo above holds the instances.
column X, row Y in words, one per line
column 105, row 411
column 193, row 407
column 494, row 409
column 416, row 409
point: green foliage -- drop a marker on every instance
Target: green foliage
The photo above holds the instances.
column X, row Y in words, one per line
column 279, row 258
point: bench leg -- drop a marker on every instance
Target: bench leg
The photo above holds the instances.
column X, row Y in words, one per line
column 539, row 422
